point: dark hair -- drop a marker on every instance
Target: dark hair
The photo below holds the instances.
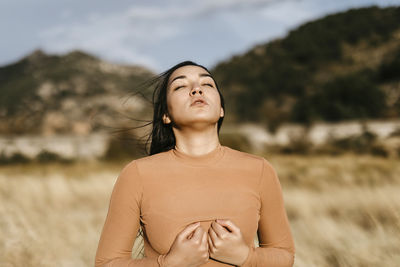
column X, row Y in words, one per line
column 162, row 136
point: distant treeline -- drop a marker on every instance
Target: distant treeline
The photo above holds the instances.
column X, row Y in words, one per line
column 342, row 66
column 313, row 73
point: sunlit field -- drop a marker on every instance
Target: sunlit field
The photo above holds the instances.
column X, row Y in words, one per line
column 343, row 211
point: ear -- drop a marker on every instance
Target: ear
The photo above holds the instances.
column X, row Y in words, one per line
column 222, row 112
column 166, row 119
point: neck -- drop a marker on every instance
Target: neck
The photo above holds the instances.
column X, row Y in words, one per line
column 194, row 142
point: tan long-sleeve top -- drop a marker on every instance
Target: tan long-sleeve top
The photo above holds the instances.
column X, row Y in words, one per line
column 167, row 191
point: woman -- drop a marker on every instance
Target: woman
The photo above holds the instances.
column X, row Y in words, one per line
column 198, row 202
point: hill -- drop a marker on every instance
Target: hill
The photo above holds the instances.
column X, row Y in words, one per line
column 73, row 93
column 343, row 66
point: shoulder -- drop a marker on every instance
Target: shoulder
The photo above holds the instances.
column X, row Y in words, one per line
column 242, row 155
column 244, row 158
column 151, row 160
column 132, row 173
column 248, row 158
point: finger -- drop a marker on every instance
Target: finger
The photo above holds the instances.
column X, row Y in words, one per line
column 210, row 243
column 204, row 239
column 212, row 235
column 197, row 234
column 218, row 229
column 190, row 235
column 189, row 229
column 228, row 224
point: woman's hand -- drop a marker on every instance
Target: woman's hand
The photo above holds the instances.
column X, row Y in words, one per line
column 227, row 245
column 189, row 249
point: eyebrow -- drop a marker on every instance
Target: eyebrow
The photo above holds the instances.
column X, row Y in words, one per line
column 183, row 77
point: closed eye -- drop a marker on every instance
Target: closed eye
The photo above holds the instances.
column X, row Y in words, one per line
column 209, row 84
column 179, row 87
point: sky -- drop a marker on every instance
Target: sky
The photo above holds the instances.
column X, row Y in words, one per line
column 156, row 34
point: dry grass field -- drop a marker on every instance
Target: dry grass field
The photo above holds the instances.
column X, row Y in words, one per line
column 343, row 210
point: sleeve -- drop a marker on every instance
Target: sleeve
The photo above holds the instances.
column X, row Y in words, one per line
column 276, row 244
column 122, row 223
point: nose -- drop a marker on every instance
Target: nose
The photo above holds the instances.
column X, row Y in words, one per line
column 196, row 89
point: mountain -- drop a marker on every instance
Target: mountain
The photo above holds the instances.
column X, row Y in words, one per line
column 73, row 93
column 343, row 66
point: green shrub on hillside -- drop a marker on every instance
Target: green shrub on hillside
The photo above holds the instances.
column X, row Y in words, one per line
column 350, row 97
column 308, row 65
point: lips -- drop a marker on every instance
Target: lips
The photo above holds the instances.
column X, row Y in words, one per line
column 199, row 101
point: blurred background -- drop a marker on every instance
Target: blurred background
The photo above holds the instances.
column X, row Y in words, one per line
column 311, row 85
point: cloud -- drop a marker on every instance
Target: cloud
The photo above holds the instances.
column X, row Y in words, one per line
column 155, row 34
column 178, row 10
column 114, row 37
column 124, row 36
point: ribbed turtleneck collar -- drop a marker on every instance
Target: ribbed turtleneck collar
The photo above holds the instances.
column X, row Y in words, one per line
column 201, row 160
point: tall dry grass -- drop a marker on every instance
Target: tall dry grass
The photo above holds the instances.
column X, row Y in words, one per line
column 344, row 211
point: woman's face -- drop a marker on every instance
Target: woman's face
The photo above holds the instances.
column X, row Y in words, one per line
column 186, row 85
